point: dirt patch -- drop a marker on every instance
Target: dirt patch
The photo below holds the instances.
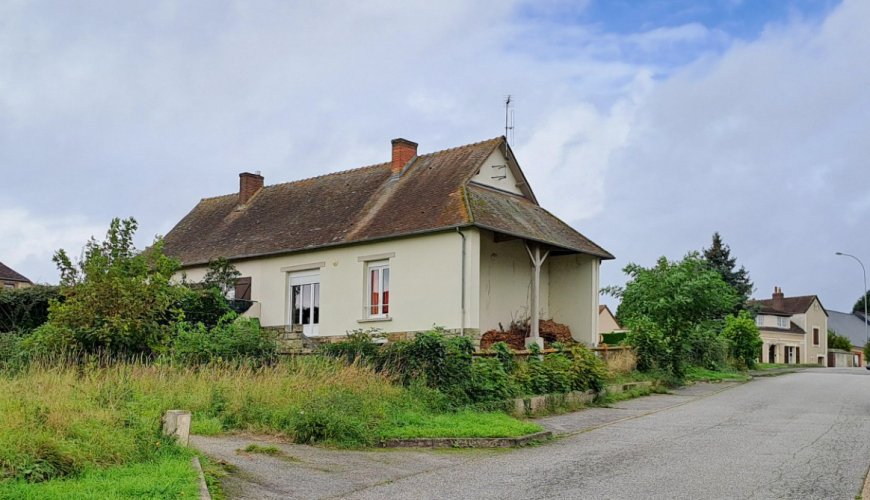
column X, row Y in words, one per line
column 516, row 335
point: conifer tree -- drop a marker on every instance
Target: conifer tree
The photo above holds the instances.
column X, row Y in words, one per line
column 719, row 258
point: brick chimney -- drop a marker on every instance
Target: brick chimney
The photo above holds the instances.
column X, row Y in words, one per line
column 777, row 298
column 249, row 184
column 403, row 151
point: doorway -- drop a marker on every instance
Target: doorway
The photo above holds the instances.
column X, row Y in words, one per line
column 304, row 307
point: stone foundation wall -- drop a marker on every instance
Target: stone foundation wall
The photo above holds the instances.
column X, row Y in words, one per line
column 293, row 343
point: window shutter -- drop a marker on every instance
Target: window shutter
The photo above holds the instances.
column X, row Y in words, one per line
column 243, row 288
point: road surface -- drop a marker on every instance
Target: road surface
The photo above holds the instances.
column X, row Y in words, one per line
column 804, row 435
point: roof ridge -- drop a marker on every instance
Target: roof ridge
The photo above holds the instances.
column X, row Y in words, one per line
column 328, row 174
column 478, row 143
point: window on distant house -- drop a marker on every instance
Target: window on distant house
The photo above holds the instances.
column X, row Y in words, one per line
column 815, row 335
column 9, row 285
column 759, row 320
column 782, row 322
column 378, row 289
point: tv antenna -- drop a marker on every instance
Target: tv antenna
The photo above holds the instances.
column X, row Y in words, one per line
column 509, row 118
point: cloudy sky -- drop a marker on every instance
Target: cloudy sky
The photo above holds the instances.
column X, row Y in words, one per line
column 646, row 125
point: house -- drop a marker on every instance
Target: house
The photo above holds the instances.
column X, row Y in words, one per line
column 607, row 323
column 11, row 279
column 852, row 327
column 794, row 329
column 454, row 238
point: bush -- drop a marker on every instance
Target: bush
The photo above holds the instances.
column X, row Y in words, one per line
column 233, row 339
column 23, row 309
column 588, row 371
column 203, row 305
column 490, row 382
column 359, row 346
column 744, row 341
column 836, row 341
column 649, row 343
column 706, row 348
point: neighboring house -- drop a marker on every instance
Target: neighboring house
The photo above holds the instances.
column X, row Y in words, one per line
column 794, row 329
column 454, row 238
column 607, row 322
column 11, row 279
column 850, row 326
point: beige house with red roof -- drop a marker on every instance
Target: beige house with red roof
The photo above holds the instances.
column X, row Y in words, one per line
column 454, row 238
column 794, row 329
column 9, row 278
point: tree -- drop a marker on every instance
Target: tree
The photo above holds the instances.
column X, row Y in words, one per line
column 115, row 298
column 677, row 297
column 222, row 274
column 718, row 257
column 859, row 305
column 836, row 341
column 867, row 353
column 744, row 340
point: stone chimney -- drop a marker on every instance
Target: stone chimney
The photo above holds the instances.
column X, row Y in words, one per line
column 249, row 185
column 777, row 298
column 403, row 151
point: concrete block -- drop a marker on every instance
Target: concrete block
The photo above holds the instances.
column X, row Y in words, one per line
column 176, row 424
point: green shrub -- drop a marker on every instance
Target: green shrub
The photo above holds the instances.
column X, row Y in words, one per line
column 650, row 344
column 232, row 339
column 23, row 309
column 836, row 341
column 588, row 371
column 489, row 381
column 706, row 347
column 744, row 340
column 203, row 305
column 359, row 346
column 505, row 356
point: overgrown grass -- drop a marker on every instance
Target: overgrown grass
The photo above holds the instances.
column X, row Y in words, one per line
column 460, row 424
column 698, row 374
column 62, row 421
column 167, row 476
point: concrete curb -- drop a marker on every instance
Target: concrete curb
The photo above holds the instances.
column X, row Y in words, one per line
column 774, row 373
column 203, row 487
column 466, row 442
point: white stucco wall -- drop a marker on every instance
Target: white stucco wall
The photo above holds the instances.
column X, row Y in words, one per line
column 506, row 282
column 491, row 172
column 425, row 276
column 573, row 295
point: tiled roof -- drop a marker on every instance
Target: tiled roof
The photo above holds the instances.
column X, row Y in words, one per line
column 8, row 274
column 790, row 305
column 849, row 325
column 432, row 193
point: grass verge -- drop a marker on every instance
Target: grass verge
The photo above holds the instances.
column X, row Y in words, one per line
column 169, row 476
column 461, row 424
column 698, row 374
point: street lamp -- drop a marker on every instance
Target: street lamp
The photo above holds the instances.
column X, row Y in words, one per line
column 863, row 294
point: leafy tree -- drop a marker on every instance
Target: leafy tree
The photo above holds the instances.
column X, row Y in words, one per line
column 837, row 341
column 719, row 258
column 867, row 353
column 859, row 305
column 115, row 298
column 744, row 340
column 676, row 297
column 222, row 274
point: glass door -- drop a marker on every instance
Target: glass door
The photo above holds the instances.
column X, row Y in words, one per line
column 304, row 307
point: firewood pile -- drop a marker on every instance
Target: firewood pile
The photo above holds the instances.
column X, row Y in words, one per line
column 515, row 336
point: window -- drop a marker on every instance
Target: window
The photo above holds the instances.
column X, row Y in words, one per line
column 815, row 335
column 759, row 320
column 782, row 322
column 304, row 310
column 378, row 289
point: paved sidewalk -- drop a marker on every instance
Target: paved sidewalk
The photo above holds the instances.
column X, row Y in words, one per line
column 593, row 418
column 311, row 472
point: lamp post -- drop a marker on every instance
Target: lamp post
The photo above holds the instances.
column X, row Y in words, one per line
column 863, row 295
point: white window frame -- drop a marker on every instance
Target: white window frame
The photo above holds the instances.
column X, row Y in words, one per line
column 759, row 320
column 783, row 321
column 301, row 278
column 380, row 266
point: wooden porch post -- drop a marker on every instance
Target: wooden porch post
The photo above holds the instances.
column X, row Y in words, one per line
column 537, row 260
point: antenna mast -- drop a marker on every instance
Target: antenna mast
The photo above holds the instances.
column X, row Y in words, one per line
column 508, row 117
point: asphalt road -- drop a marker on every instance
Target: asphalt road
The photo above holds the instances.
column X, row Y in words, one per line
column 804, row 436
